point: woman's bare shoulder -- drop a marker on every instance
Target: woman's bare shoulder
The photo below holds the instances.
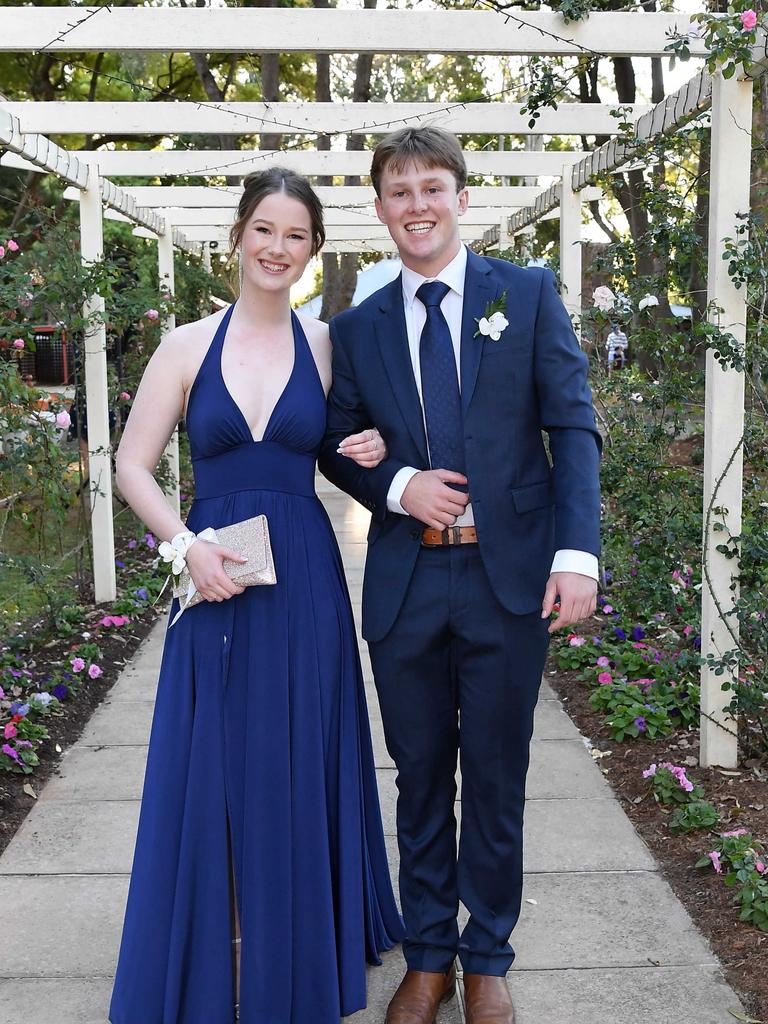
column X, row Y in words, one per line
column 315, row 330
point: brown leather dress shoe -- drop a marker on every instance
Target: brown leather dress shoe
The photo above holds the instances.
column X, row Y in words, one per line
column 487, row 1000
column 419, row 995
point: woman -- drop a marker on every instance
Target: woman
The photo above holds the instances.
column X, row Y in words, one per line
column 260, row 817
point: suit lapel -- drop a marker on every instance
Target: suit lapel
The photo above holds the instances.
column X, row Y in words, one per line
column 478, row 292
column 392, row 336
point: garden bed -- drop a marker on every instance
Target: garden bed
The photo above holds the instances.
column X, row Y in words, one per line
column 34, row 660
column 740, row 796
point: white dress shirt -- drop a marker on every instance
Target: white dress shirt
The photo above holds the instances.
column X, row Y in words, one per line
column 566, row 560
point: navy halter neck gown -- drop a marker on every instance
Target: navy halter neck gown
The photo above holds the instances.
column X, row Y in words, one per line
column 260, row 761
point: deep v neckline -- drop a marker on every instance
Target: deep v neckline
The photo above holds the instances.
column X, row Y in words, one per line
column 241, row 414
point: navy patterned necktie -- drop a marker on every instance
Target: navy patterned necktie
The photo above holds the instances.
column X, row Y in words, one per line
column 440, row 385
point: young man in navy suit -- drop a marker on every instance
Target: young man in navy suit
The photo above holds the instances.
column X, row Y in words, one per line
column 476, row 531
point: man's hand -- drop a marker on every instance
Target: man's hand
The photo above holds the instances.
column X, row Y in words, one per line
column 428, row 498
column 578, row 598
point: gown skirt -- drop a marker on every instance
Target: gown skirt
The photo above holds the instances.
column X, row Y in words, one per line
column 260, row 786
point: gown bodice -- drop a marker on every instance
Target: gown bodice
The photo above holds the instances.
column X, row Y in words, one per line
column 226, row 458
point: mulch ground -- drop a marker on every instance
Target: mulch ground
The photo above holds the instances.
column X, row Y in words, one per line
column 741, row 796
column 117, row 647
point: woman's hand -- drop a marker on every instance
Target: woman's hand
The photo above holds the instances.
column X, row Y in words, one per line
column 367, row 448
column 205, row 563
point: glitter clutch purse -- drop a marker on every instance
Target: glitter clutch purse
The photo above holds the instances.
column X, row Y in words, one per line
column 251, row 539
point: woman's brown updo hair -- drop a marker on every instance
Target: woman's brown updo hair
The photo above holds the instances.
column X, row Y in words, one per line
column 260, row 184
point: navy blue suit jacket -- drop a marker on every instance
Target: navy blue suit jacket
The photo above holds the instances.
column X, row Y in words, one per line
column 533, row 379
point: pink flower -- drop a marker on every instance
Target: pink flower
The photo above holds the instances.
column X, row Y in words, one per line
column 94, row 671
column 714, row 856
column 640, row 646
column 7, row 748
column 78, row 664
column 607, row 608
column 125, row 396
column 603, row 662
column 10, row 730
column 735, row 832
column 62, row 419
column 577, row 641
column 604, row 678
column 2, row 252
column 649, row 772
column 760, row 867
column 151, row 314
column 12, row 245
column 748, row 20
column 17, row 342
column 114, row 620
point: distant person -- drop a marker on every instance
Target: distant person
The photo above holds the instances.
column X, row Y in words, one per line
column 616, row 345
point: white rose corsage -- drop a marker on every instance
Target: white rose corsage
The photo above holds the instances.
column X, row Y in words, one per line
column 494, row 321
column 175, row 550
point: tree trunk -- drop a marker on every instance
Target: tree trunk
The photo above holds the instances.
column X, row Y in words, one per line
column 270, row 82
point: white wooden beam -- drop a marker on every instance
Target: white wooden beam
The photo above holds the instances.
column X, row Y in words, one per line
column 344, row 233
column 167, row 279
column 164, row 162
column 342, row 197
column 97, row 402
column 281, row 30
column 570, row 250
column 39, row 153
column 182, row 118
column 723, row 414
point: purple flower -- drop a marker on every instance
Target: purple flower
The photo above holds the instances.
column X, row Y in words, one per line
column 697, row 643
column 597, row 641
column 10, row 752
column 131, row 544
column 638, row 633
column 2, row 693
column 17, row 708
column 620, row 634
column 149, row 540
column 23, row 743
column 119, row 564
column 142, row 594
column 60, row 691
column 608, row 575
column 94, row 671
column 640, row 723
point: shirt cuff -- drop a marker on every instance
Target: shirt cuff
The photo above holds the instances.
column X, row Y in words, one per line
column 568, row 560
column 399, row 483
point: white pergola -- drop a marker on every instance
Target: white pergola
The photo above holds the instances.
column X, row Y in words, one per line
column 195, row 216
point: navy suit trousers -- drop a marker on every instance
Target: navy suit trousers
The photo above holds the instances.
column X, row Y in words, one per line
column 458, row 677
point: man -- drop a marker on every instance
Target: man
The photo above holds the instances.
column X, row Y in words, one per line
column 616, row 345
column 460, row 579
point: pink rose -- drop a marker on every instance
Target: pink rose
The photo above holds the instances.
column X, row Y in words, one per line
column 10, row 731
column 78, row 664
column 12, row 245
column 125, row 396
column 17, row 342
column 62, row 419
column 151, row 314
column 94, row 671
column 748, row 20
column 604, row 678
column 577, row 641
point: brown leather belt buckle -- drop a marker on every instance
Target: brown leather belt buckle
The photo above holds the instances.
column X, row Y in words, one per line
column 449, row 536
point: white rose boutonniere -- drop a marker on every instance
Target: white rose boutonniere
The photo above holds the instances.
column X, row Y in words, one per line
column 493, row 322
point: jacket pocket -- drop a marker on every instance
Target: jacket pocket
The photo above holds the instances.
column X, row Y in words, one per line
column 533, row 496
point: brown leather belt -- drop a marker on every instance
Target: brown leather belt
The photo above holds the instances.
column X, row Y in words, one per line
column 450, row 535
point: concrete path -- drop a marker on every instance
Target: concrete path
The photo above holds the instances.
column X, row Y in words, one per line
column 602, row 938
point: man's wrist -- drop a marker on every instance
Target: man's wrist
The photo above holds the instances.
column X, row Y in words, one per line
column 400, row 481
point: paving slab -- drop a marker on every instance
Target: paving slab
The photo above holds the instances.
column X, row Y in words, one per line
column 119, row 724
column 98, row 773
column 653, row 995
column 382, row 982
column 550, row 722
column 60, row 1001
column 564, row 769
column 71, row 926
column 92, row 838
column 605, row 919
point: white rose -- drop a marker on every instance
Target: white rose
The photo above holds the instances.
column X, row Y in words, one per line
column 498, row 322
column 646, row 301
column 603, row 298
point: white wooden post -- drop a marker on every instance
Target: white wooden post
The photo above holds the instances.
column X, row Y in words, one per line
column 168, row 288
column 724, row 411
column 570, row 247
column 97, row 401
column 506, row 240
